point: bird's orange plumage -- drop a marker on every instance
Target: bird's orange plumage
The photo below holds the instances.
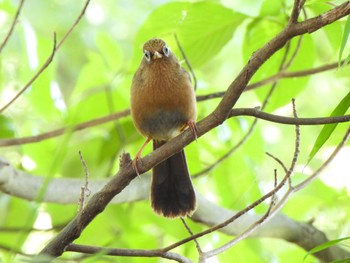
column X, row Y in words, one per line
column 163, row 102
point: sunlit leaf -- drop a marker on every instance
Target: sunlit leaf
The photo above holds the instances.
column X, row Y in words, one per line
column 328, row 129
column 6, row 127
column 288, row 88
column 187, row 20
column 347, row 260
column 271, row 8
column 325, row 246
column 111, row 51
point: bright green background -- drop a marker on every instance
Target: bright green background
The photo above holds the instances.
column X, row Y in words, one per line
column 93, row 70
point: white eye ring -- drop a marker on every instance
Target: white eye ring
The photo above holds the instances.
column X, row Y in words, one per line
column 147, row 55
column 166, row 51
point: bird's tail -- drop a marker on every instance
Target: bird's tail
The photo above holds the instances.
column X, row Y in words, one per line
column 172, row 193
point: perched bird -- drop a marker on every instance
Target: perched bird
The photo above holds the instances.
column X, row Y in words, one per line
column 163, row 104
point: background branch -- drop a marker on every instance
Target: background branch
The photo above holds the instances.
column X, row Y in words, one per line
column 278, row 76
column 254, row 112
column 30, row 82
column 99, row 201
column 128, row 252
column 208, row 213
column 126, row 174
column 49, row 59
column 3, row 44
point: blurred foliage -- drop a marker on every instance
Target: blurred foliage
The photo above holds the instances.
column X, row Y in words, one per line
column 90, row 77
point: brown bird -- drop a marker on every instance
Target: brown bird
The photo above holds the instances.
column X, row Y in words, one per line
column 163, row 104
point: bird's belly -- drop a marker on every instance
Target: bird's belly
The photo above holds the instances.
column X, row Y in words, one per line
column 164, row 124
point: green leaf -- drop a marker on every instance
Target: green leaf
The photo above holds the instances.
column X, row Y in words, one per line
column 203, row 28
column 6, row 127
column 325, row 246
column 329, row 128
column 344, row 38
column 347, row 260
column 110, row 51
column 287, row 88
column 271, row 8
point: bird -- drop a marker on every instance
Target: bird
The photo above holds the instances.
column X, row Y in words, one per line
column 163, row 104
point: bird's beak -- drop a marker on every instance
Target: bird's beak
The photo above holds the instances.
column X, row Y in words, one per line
column 157, row 55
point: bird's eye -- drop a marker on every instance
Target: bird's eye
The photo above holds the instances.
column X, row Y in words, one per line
column 147, row 55
column 166, row 51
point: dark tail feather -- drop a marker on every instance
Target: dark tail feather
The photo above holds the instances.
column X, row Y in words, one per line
column 172, row 193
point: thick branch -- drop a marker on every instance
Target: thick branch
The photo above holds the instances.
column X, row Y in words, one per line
column 262, row 55
column 208, row 213
column 126, row 173
column 62, row 190
column 99, row 201
column 96, row 205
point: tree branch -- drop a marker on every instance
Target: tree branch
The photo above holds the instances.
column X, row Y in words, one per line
column 49, row 60
column 263, row 54
column 254, row 112
column 208, row 213
column 277, row 76
column 298, row 5
column 126, row 173
column 61, row 131
column 76, row 22
column 3, row 44
column 30, row 82
column 128, row 252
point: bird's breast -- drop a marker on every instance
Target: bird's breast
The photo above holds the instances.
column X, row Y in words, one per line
column 162, row 103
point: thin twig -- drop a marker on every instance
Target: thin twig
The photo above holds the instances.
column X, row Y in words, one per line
column 231, row 219
column 104, row 119
column 279, row 161
column 254, row 112
column 14, row 22
column 187, row 61
column 288, row 120
column 127, row 252
column 268, row 213
column 297, row 140
column 325, row 164
column 49, row 60
column 84, row 190
column 243, row 235
column 61, row 131
column 280, row 75
column 248, row 231
column 298, row 5
column 74, row 24
column 254, row 204
column 41, row 70
column 228, row 153
column 200, row 252
column 253, row 125
column 99, row 201
column 294, row 55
